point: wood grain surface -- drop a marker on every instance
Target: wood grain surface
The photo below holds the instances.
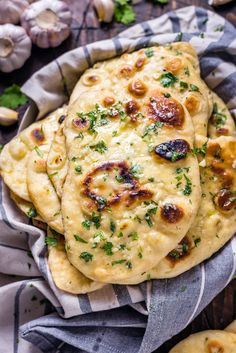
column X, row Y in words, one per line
column 86, row 29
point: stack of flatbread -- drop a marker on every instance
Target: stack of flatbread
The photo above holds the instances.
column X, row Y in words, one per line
column 135, row 178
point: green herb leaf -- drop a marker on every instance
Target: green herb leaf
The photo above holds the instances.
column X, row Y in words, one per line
column 135, row 170
column 149, row 52
column 197, row 241
column 78, row 238
column 86, row 224
column 183, row 86
column 188, row 187
column 80, row 136
column 149, row 213
column 218, row 118
column 118, row 262
column 107, row 247
column 38, row 151
column 51, row 241
column 168, row 79
column 112, row 226
column 86, row 256
column 12, row 97
column 124, row 12
column 32, row 213
column 78, row 169
column 194, row 88
column 99, row 147
column 133, row 236
column 200, row 150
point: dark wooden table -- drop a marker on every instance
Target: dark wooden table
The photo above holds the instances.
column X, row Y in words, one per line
column 87, row 29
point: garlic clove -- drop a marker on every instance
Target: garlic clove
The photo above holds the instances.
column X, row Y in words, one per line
column 8, row 116
column 105, row 10
column 15, row 47
column 47, row 22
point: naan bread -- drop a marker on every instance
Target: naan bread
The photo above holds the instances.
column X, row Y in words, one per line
column 214, row 341
column 14, row 156
column 41, row 190
column 221, row 121
column 120, row 195
column 57, row 164
column 66, row 276
column 26, row 207
column 174, row 67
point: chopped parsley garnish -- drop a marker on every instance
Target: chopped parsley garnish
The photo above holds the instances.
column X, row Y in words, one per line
column 86, row 256
column 168, row 79
column 124, row 12
column 219, row 28
column 175, row 254
column 186, row 71
column 219, row 119
column 200, row 150
column 12, row 97
column 152, row 128
column 119, row 178
column 101, row 201
column 107, row 247
column 133, row 236
column 149, row 213
column 193, row 88
column 129, row 265
column 86, row 224
column 80, row 136
column 39, row 153
column 135, row 171
column 99, row 147
column 51, row 241
column 140, row 255
column 112, row 226
column 32, row 213
column 78, row 169
column 73, row 159
column 167, row 95
column 151, row 180
column 78, row 238
column 188, row 187
column 52, row 175
column 197, row 241
column 118, row 262
column 176, row 155
column 149, row 52
column 180, row 36
column 183, row 86
column 120, row 235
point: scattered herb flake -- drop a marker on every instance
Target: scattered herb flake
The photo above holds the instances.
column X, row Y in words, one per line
column 86, row 256
column 118, row 262
column 99, row 147
column 133, row 236
column 39, row 153
column 51, row 241
column 78, row 238
column 168, row 79
column 112, row 226
column 32, row 213
column 200, row 150
column 194, row 88
column 107, row 247
column 197, row 241
column 124, row 12
column 149, row 52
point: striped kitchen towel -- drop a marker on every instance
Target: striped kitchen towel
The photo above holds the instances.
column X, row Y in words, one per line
column 36, row 316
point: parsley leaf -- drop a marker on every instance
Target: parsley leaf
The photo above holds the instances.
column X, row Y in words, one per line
column 168, row 79
column 12, row 97
column 78, row 169
column 133, row 236
column 117, row 262
column 135, row 171
column 149, row 52
column 32, row 213
column 124, row 12
column 86, row 256
column 78, row 238
column 107, row 247
column 100, row 147
column 194, row 88
column 218, row 118
column 200, row 150
column 51, row 241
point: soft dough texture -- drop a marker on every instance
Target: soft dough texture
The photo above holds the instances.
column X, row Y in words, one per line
column 66, row 276
column 41, row 190
column 26, row 207
column 120, row 194
column 207, row 342
column 57, row 164
column 14, row 156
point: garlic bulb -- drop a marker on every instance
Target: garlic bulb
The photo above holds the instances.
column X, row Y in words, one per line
column 218, row 2
column 10, row 10
column 8, row 116
column 15, row 47
column 105, row 10
column 47, row 22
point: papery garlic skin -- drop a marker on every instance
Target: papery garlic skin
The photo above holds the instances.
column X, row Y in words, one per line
column 8, row 116
column 15, row 47
column 11, row 10
column 47, row 22
column 218, row 2
column 105, row 10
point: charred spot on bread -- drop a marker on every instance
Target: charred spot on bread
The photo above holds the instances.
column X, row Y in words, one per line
column 132, row 108
column 214, row 346
column 173, row 64
column 166, row 110
column 182, row 250
column 137, row 88
column 108, row 101
column 61, row 119
column 38, row 135
column 127, row 190
column 225, row 200
column 126, row 71
column 173, row 150
column 90, row 80
column 140, row 63
column 171, row 213
column 81, row 124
